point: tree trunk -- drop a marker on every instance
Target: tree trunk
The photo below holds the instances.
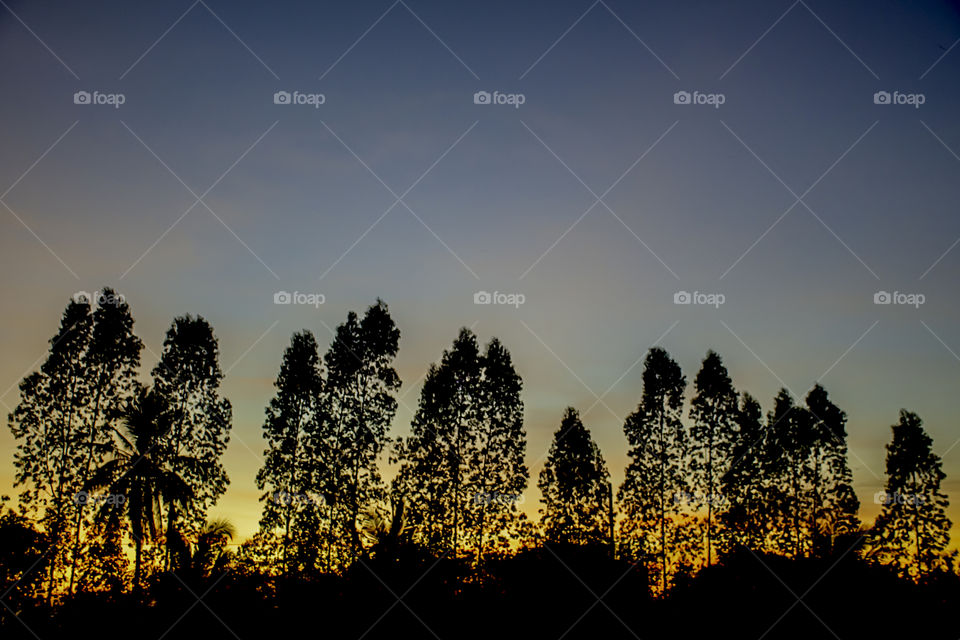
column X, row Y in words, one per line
column 663, row 512
column 86, row 474
column 709, row 495
column 137, row 544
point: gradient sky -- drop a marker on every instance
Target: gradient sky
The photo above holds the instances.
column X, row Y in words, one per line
column 500, row 197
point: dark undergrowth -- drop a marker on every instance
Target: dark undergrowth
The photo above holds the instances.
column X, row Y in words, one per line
column 543, row 593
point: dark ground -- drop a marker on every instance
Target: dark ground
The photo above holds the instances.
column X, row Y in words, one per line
column 545, row 593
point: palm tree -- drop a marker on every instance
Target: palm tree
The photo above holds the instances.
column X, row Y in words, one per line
column 138, row 473
column 209, row 556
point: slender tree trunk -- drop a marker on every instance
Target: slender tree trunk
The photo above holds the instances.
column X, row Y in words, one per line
column 485, row 487
column 335, row 477
column 916, row 523
column 817, row 503
column 86, row 475
column 663, row 512
column 137, row 545
column 293, row 493
column 456, row 477
column 358, row 454
column 60, row 516
column 613, row 545
column 355, row 515
column 53, row 562
column 456, row 496
column 171, row 512
column 709, row 495
column 796, row 511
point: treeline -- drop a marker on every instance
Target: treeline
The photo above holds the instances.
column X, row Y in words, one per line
column 103, row 459
column 106, row 463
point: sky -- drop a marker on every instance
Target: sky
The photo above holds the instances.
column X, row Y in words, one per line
column 778, row 165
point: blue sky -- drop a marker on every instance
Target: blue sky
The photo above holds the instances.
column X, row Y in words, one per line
column 598, row 198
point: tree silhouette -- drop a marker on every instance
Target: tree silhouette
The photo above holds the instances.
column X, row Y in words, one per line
column 912, row 530
column 574, row 484
column 294, row 416
column 47, row 422
column 111, row 362
column 462, row 467
column 497, row 467
column 433, row 467
column 713, row 411
column 84, row 423
column 208, row 555
column 744, row 484
column 24, row 551
column 359, row 404
column 834, row 504
column 809, row 481
column 654, row 477
column 789, row 458
column 139, row 477
column 188, row 378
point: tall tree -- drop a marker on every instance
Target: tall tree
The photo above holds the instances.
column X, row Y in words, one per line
column 713, row 412
column 655, row 474
column 744, row 482
column 112, row 360
column 188, row 378
column 789, row 463
column 432, row 460
column 912, row 530
column 834, row 504
column 461, row 469
column 360, row 402
column 294, row 416
column 809, row 480
column 497, row 467
column 47, row 424
column 574, row 485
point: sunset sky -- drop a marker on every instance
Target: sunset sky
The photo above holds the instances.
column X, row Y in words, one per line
column 597, row 199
